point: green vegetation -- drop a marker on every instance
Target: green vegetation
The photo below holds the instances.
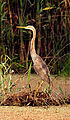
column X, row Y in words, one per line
column 29, row 72
column 5, row 80
column 51, row 20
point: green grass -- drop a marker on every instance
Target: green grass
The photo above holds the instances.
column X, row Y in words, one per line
column 29, row 72
column 5, row 74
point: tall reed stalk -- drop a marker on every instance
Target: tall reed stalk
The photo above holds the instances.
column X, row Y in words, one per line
column 52, row 23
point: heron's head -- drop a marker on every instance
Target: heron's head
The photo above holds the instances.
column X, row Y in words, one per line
column 29, row 27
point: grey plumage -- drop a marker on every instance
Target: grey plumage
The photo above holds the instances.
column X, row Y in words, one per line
column 42, row 69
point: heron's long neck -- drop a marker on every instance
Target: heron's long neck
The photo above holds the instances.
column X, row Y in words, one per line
column 32, row 47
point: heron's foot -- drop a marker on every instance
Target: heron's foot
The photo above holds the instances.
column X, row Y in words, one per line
column 40, row 86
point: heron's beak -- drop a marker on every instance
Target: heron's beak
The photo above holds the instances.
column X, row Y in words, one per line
column 20, row 27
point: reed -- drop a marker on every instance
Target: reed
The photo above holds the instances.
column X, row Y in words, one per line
column 51, row 19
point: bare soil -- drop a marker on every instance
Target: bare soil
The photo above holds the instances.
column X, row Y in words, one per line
column 35, row 113
column 61, row 112
column 21, row 84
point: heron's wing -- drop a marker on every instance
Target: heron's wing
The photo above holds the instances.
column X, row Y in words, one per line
column 42, row 69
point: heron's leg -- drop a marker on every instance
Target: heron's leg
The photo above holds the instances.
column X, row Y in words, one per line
column 40, row 86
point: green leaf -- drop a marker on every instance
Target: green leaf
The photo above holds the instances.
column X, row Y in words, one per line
column 30, row 2
column 29, row 72
column 2, row 16
column 20, row 22
column 0, row 83
column 2, row 5
column 21, row 3
column 61, row 91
